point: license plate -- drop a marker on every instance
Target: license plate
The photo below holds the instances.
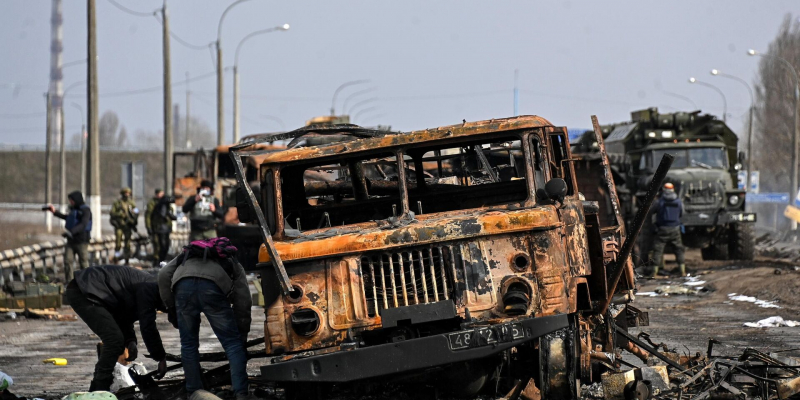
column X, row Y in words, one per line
column 485, row 336
column 743, row 217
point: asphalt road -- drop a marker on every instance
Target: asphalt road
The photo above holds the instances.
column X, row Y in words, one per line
column 683, row 322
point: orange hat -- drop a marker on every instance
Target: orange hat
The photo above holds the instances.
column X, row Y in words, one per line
column 669, row 186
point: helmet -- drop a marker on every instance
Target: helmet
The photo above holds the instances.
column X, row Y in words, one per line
column 125, row 190
column 669, row 186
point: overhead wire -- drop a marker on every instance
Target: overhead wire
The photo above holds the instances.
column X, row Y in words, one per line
column 149, row 89
column 129, row 11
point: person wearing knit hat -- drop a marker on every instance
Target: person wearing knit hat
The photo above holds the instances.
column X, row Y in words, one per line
column 669, row 211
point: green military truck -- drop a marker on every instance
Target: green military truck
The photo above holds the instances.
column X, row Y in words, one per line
column 704, row 173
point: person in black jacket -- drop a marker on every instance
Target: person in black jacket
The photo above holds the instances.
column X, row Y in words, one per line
column 109, row 299
column 78, row 229
column 204, row 210
column 669, row 211
column 161, row 224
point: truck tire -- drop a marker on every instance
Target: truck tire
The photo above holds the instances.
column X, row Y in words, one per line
column 714, row 252
column 741, row 245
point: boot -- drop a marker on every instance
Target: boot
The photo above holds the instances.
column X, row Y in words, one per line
column 683, row 269
column 655, row 272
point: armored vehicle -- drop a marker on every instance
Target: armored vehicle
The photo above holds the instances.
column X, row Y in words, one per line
column 464, row 256
column 704, row 174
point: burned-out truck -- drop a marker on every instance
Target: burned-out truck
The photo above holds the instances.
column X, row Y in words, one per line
column 464, row 256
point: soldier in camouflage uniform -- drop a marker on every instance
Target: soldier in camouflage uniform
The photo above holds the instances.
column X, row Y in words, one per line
column 204, row 211
column 151, row 230
column 124, row 215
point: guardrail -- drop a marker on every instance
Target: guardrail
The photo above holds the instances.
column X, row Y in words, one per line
column 28, row 262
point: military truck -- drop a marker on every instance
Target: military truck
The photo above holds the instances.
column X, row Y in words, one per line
column 464, row 256
column 704, row 174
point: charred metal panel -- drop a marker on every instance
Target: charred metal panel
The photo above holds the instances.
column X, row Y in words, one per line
column 550, row 262
column 473, row 278
column 576, row 241
column 346, row 301
column 415, row 232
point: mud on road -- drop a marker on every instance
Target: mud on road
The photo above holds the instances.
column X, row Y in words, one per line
column 683, row 322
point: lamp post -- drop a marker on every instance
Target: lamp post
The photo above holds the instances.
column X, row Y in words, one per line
column 220, row 83
column 716, row 72
column 236, row 112
column 354, row 95
column 339, row 89
column 796, row 139
column 62, row 187
column 716, row 89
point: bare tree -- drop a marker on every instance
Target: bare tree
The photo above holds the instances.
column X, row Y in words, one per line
column 774, row 109
column 110, row 132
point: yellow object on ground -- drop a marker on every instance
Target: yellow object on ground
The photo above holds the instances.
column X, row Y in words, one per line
column 56, row 361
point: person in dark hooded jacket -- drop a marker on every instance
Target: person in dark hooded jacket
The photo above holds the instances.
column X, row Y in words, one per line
column 78, row 229
column 109, row 299
column 669, row 211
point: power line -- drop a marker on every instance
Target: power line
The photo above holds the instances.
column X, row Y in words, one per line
column 181, row 41
column 150, row 89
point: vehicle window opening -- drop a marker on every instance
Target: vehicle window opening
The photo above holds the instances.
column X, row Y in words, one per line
column 539, row 177
column 466, row 175
column 693, row 157
column 341, row 192
column 560, row 166
column 268, row 199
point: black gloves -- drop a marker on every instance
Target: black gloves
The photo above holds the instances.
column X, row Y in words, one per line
column 162, row 369
column 133, row 351
column 67, row 235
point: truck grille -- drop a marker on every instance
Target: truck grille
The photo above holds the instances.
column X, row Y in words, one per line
column 698, row 196
column 408, row 277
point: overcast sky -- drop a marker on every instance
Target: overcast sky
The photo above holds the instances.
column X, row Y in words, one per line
column 431, row 63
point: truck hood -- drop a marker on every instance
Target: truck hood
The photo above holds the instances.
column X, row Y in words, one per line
column 333, row 242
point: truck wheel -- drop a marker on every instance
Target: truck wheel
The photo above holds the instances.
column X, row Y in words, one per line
column 741, row 245
column 714, row 252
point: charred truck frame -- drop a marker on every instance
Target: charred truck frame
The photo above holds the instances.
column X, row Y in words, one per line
column 462, row 254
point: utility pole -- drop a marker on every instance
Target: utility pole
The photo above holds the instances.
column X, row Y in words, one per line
column 186, row 139
column 220, row 105
column 167, row 105
column 62, row 182
column 93, row 159
column 48, row 168
column 83, row 158
column 236, row 112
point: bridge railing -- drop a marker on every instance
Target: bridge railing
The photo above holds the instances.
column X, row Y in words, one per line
column 28, row 262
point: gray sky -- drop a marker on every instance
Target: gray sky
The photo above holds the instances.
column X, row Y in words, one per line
column 433, row 63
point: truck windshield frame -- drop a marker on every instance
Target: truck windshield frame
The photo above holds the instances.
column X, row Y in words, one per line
column 368, row 187
column 708, row 157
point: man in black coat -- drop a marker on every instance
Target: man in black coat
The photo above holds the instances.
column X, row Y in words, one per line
column 109, row 299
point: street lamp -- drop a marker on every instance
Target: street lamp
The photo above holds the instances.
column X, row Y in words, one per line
column 220, row 83
column 339, row 89
column 284, row 27
column 62, row 189
column 716, row 72
column 356, row 94
column 796, row 139
column 724, row 100
column 359, row 104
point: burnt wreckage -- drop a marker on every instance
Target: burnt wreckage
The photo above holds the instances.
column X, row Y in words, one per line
column 465, row 253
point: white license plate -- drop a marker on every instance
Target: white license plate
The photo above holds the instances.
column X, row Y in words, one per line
column 484, row 336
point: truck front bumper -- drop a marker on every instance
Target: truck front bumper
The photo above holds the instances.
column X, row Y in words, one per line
column 710, row 218
column 413, row 354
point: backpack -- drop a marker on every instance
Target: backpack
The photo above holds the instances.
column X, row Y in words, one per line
column 217, row 249
column 75, row 216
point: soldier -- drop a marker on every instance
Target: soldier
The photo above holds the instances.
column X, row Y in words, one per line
column 203, row 210
column 161, row 223
column 124, row 215
column 668, row 210
column 148, row 212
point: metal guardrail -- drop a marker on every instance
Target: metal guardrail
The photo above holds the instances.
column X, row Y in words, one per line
column 38, row 207
column 28, row 262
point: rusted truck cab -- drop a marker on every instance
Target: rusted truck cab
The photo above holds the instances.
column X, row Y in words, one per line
column 448, row 251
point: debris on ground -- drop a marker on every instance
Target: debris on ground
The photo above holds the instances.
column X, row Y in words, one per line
column 751, row 299
column 5, row 381
column 100, row 395
column 772, row 322
column 122, row 376
column 32, row 313
column 779, row 245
